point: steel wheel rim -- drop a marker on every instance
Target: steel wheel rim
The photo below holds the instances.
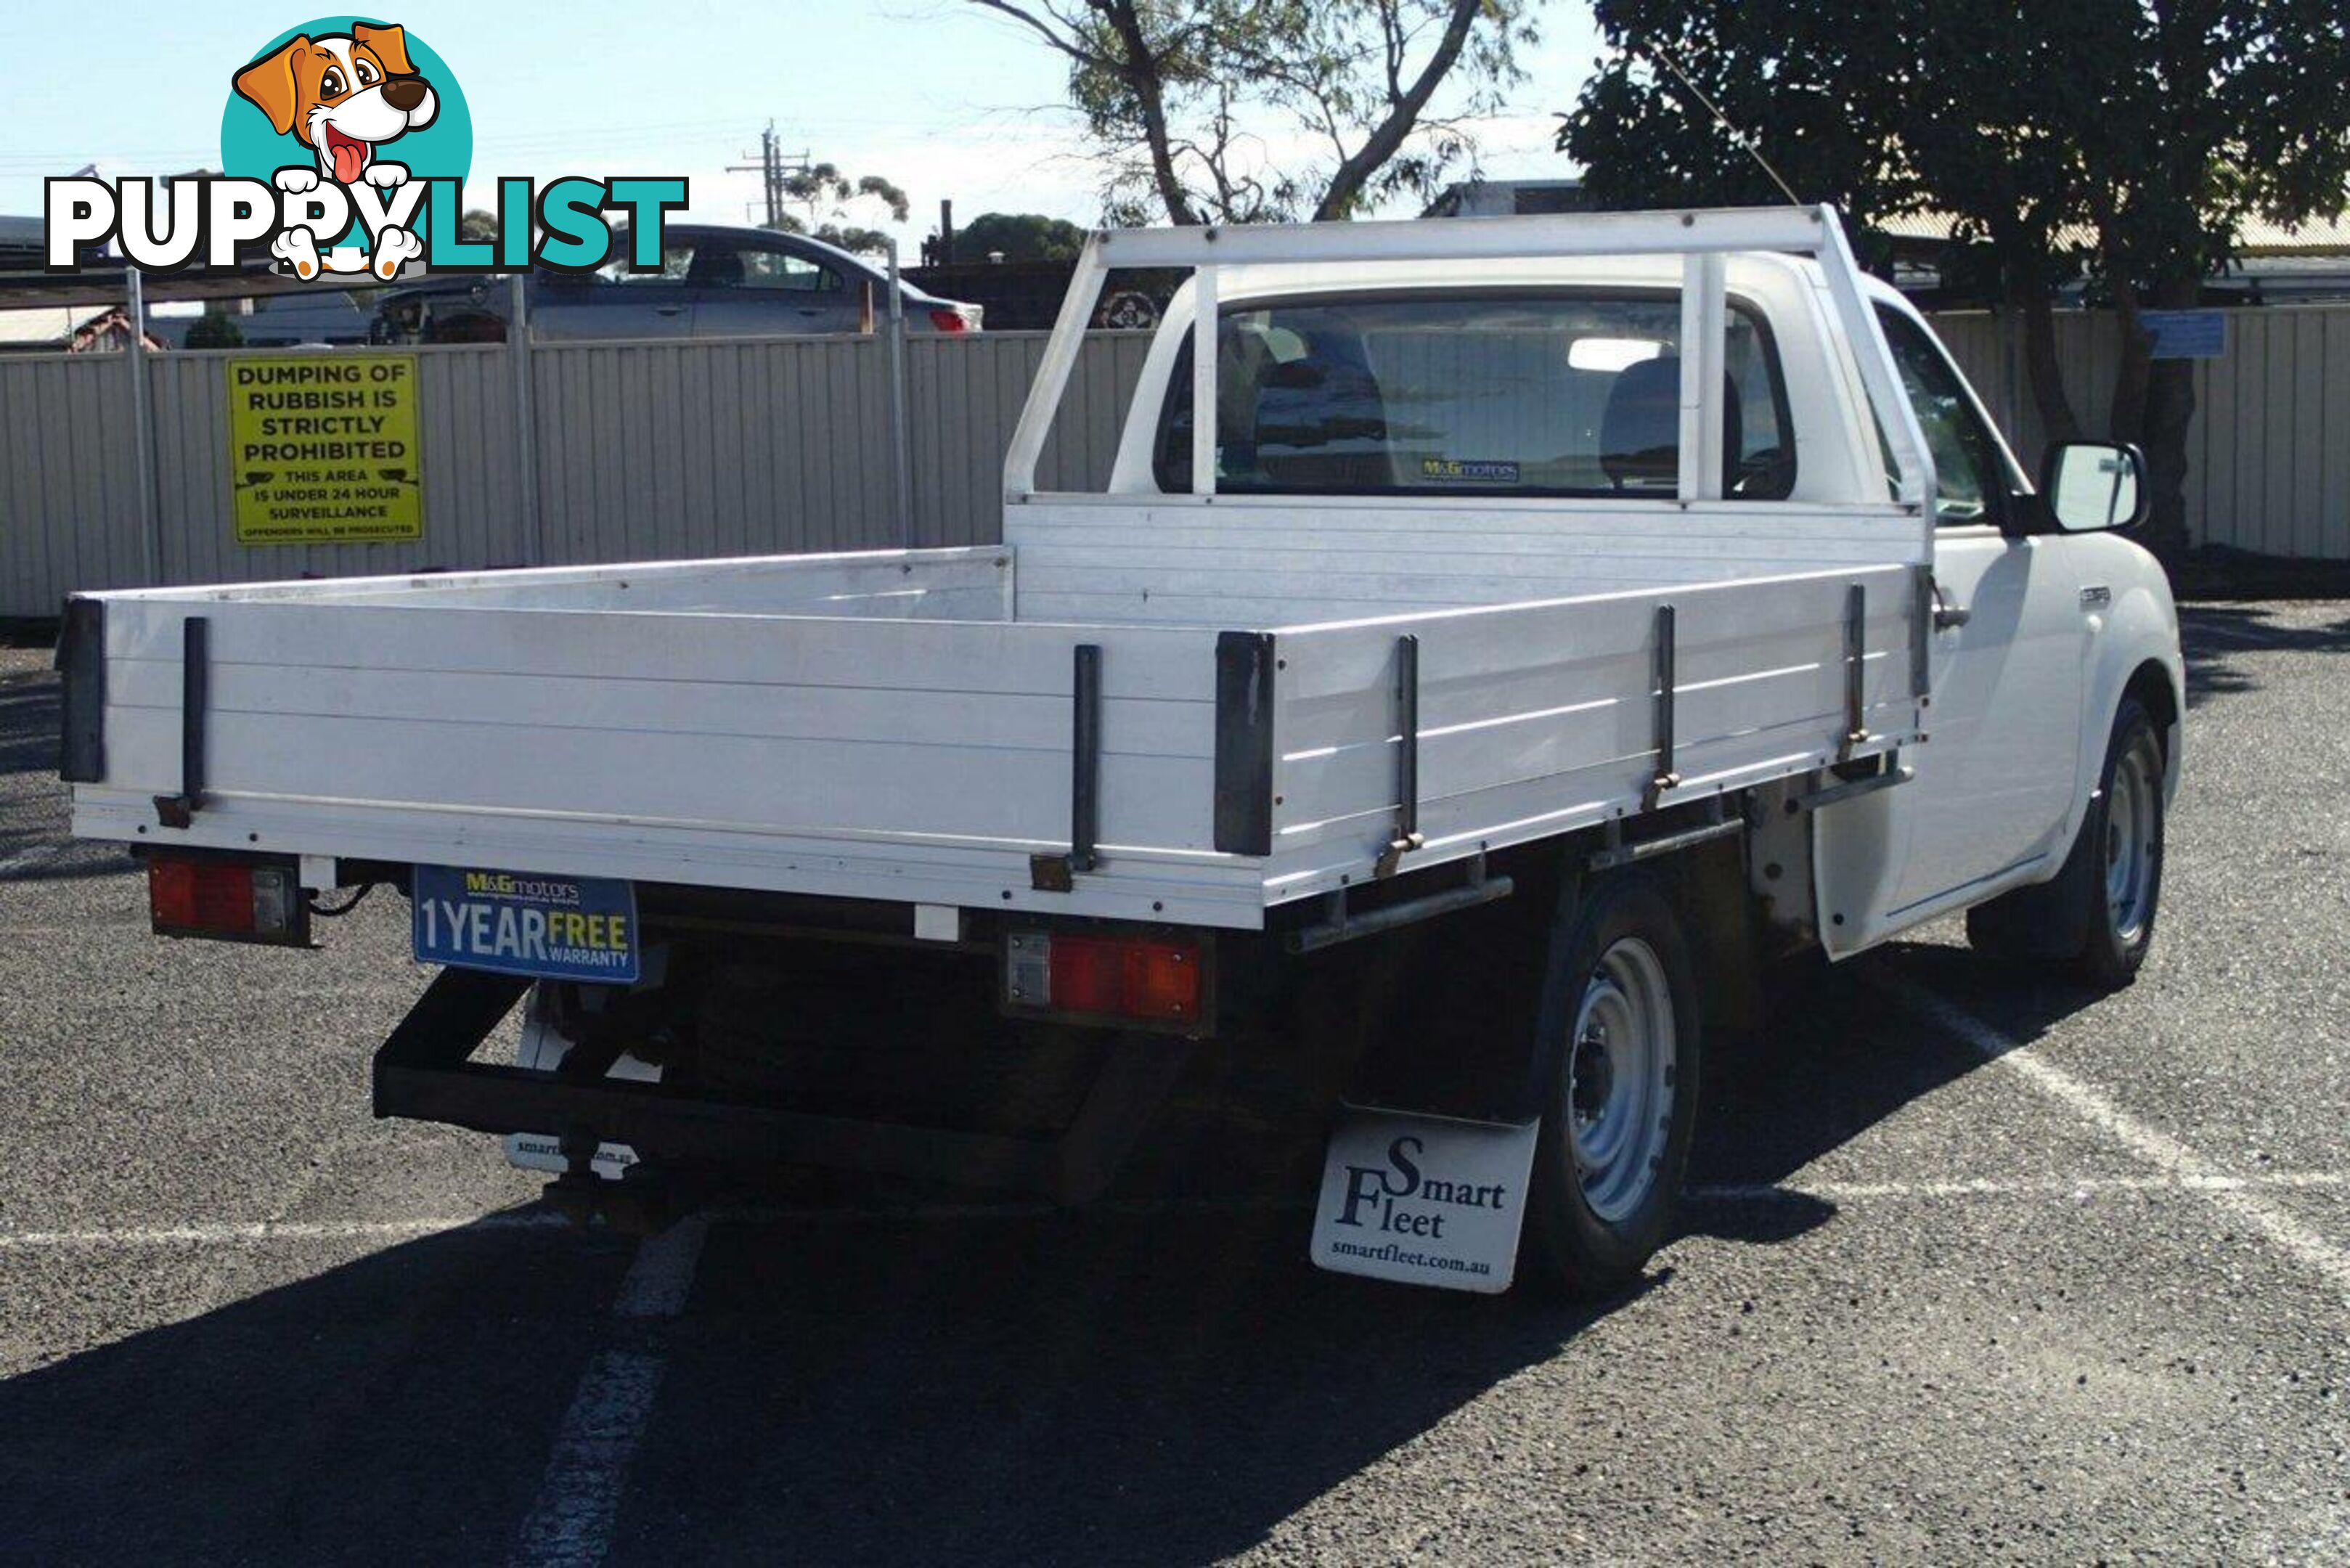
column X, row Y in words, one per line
column 2130, row 819
column 1618, row 1089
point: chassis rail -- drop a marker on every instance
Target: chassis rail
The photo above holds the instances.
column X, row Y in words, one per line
column 425, row 1072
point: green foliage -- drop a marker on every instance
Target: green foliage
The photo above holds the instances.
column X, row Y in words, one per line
column 1021, row 236
column 215, row 329
column 830, row 195
column 2154, row 131
column 2127, row 142
column 1254, row 111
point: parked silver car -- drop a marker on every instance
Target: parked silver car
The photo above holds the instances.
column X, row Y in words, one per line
column 715, row 281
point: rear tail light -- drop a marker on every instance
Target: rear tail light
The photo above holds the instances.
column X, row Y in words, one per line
column 945, row 319
column 1145, row 980
column 238, row 901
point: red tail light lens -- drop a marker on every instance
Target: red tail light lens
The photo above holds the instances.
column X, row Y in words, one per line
column 948, row 321
column 1163, row 981
column 1087, row 975
column 1147, row 979
column 226, row 899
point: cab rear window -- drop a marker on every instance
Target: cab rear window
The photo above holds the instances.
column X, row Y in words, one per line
column 1548, row 393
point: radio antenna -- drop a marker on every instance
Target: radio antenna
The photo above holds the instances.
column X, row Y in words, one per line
column 1739, row 137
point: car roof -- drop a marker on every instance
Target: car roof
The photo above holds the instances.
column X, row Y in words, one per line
column 870, row 268
column 754, row 231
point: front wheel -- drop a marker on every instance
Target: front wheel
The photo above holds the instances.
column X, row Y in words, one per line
column 2124, row 839
column 1619, row 1034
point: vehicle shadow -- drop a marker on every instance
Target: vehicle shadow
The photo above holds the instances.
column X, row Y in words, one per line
column 1082, row 1389
column 1819, row 1073
column 1024, row 1389
column 1161, row 1379
column 397, row 1408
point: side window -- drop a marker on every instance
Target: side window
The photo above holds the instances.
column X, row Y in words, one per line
column 1759, row 463
column 788, row 270
column 1969, row 481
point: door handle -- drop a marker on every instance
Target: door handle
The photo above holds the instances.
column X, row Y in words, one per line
column 669, row 309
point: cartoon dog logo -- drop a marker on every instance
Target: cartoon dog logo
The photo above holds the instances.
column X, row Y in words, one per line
column 343, row 95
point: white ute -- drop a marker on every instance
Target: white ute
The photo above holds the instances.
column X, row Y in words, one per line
column 1498, row 641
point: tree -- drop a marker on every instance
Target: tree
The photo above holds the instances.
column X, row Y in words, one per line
column 2127, row 142
column 1190, row 102
column 828, row 196
column 1021, row 236
column 215, row 329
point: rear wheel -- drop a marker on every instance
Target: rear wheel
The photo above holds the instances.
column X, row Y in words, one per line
column 2097, row 918
column 1619, row 1030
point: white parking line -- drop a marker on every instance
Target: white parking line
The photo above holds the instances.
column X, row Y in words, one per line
column 2072, row 1186
column 2191, row 1171
column 570, row 1525
column 236, row 1232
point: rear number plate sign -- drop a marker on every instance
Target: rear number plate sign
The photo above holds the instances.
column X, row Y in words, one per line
column 521, row 922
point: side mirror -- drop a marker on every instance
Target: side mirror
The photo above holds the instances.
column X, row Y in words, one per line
column 2090, row 486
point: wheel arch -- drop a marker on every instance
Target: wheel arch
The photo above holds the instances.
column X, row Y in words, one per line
column 1494, row 1074
column 2154, row 686
column 2136, row 654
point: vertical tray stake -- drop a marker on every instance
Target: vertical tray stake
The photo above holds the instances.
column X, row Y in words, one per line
column 1408, row 835
column 1057, row 873
column 1664, row 778
column 195, row 652
column 1921, row 632
column 1856, row 654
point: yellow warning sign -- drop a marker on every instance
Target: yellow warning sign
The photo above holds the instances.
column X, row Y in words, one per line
column 322, row 449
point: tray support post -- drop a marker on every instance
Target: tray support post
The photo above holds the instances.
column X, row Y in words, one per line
column 1664, row 778
column 195, row 680
column 1408, row 836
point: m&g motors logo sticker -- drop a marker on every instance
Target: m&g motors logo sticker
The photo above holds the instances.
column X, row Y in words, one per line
column 345, row 145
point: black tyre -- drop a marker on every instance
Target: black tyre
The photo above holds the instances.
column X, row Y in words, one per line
column 2096, row 917
column 1620, row 1031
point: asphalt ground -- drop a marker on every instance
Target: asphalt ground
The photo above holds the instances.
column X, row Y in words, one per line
column 1977, row 1267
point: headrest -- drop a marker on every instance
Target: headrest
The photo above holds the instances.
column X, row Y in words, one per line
column 719, row 269
column 1640, row 430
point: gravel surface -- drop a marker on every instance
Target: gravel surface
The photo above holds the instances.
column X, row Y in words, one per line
column 2088, row 1301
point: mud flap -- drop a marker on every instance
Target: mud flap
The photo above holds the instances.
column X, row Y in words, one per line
column 1423, row 1199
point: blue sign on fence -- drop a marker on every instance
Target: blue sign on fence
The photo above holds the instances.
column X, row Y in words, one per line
column 2186, row 333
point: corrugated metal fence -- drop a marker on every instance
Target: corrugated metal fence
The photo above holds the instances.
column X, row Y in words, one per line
column 643, row 450
column 720, row 447
column 2269, row 452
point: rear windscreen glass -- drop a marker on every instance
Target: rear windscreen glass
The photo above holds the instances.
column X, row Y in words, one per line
column 1525, row 394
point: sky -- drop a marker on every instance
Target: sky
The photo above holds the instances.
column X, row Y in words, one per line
column 945, row 100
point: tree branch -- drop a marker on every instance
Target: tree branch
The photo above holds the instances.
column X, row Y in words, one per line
column 1140, row 72
column 1064, row 44
column 1388, row 137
